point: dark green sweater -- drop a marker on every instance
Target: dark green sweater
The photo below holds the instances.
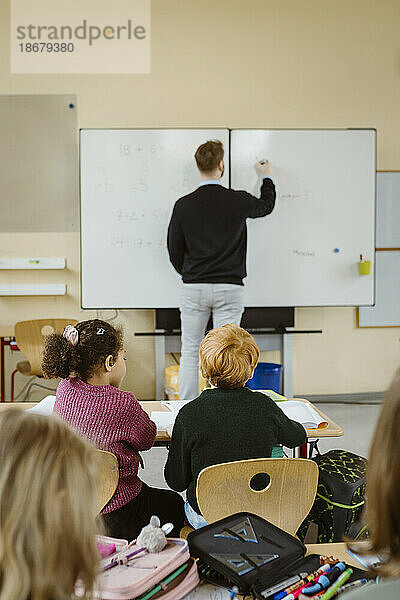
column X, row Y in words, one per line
column 223, row 425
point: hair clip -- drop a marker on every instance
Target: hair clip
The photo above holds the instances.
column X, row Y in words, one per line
column 100, row 331
column 71, row 334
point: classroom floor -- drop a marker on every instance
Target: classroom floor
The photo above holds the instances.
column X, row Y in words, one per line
column 357, row 420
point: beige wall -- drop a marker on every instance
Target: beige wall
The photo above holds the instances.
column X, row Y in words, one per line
column 265, row 63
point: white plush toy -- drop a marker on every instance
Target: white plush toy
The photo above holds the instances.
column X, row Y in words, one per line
column 152, row 537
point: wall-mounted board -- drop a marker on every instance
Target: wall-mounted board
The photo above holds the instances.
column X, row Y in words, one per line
column 388, row 209
column 12, row 264
column 386, row 312
column 38, row 163
column 306, row 252
column 33, row 289
column 130, row 180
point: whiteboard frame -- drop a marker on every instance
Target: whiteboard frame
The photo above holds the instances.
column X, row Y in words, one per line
column 229, row 130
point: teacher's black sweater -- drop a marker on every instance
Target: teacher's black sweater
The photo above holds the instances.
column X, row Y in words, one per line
column 207, row 234
column 223, row 425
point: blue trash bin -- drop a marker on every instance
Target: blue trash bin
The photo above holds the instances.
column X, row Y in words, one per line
column 267, row 376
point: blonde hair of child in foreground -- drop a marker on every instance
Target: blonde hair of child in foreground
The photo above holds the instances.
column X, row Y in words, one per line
column 382, row 515
column 228, row 356
column 48, row 493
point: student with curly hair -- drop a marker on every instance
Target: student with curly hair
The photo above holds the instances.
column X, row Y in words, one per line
column 90, row 360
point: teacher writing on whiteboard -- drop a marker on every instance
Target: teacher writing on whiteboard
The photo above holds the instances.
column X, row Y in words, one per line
column 207, row 241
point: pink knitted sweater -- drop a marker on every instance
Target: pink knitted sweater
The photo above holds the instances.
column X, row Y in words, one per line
column 114, row 421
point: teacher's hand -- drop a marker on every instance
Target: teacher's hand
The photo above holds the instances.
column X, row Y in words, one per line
column 263, row 167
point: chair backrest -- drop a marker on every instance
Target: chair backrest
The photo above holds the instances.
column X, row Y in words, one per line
column 108, row 470
column 30, row 338
column 281, row 490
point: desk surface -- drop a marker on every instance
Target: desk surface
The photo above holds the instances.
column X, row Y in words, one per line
column 333, row 429
column 337, row 550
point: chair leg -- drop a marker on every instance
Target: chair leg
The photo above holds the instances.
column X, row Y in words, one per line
column 12, row 384
column 30, row 385
column 28, row 389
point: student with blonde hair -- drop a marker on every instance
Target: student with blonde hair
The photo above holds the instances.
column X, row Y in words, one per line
column 228, row 422
column 48, row 504
column 383, row 507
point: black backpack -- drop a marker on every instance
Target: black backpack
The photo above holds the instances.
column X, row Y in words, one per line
column 340, row 497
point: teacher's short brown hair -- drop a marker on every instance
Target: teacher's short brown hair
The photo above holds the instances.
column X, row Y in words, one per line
column 209, row 155
column 228, row 356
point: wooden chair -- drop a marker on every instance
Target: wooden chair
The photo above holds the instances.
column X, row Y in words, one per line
column 108, row 478
column 281, row 490
column 29, row 336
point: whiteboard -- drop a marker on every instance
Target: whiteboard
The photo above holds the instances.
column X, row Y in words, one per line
column 386, row 312
column 306, row 252
column 388, row 210
column 130, row 181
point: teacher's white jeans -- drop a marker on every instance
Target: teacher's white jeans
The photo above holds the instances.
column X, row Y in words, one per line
column 225, row 302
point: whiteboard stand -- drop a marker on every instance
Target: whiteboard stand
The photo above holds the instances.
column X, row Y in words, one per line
column 271, row 339
column 287, row 365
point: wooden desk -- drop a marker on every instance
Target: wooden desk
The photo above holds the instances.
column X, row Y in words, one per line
column 149, row 406
column 335, row 549
column 333, row 429
column 22, row 405
column 162, row 439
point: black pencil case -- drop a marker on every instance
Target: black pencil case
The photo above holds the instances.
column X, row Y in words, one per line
column 251, row 553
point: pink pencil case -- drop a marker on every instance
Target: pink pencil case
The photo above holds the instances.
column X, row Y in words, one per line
column 181, row 586
column 137, row 575
column 103, row 540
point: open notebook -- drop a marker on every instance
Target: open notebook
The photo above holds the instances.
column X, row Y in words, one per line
column 294, row 409
column 303, row 413
column 163, row 419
